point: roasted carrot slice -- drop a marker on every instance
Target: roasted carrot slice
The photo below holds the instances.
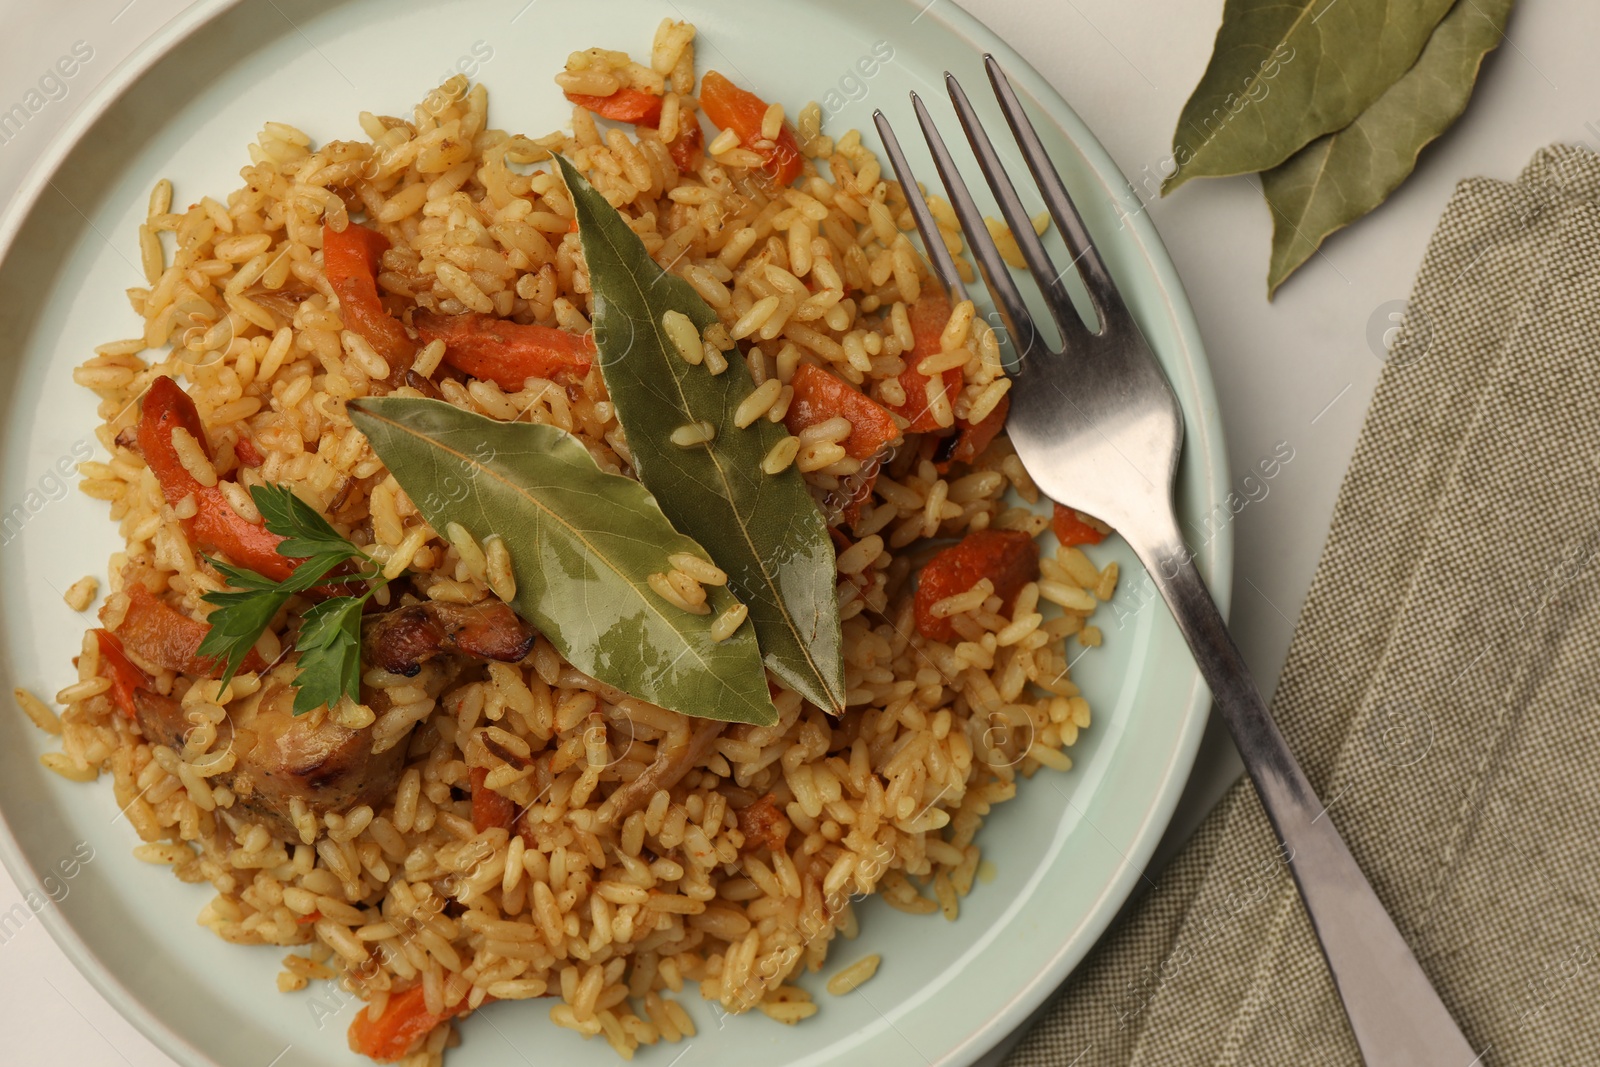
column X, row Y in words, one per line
column 1008, row 558
column 215, row 526
column 400, row 1030
column 488, row 807
column 159, row 633
column 819, row 396
column 350, row 260
column 505, row 352
column 125, row 677
column 688, row 148
column 972, row 438
column 928, row 317
column 1075, row 528
column 167, row 408
column 739, row 110
column 624, row 105
column 249, row 455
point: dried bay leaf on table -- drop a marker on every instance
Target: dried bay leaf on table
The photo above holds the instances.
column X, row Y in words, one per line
column 764, row 530
column 1285, row 72
column 583, row 544
column 1341, row 176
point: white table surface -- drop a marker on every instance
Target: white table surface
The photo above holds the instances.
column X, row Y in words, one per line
column 1298, row 371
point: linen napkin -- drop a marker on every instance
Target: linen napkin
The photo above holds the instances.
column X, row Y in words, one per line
column 1441, row 690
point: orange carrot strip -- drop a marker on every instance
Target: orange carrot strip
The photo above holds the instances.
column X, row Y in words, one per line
column 249, row 455
column 1075, row 528
column 350, row 260
column 688, row 148
column 167, row 408
column 488, row 807
column 742, row 111
column 505, row 352
column 1008, row 558
column 928, row 317
column 624, row 105
column 819, row 396
column 216, row 526
column 405, row 1023
column 125, row 677
column 973, row 438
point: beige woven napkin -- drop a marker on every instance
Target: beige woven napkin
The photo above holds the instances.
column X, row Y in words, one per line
column 1442, row 690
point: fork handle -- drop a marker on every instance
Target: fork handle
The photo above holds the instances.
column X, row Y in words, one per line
column 1394, row 1010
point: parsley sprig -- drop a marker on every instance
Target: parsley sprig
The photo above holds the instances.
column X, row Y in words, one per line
column 330, row 632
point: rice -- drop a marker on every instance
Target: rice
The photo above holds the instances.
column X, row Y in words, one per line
column 780, row 455
column 827, row 432
column 729, row 621
column 1066, row 596
column 81, row 593
column 676, row 593
column 852, row 977
column 702, row 571
column 36, row 710
column 684, row 336
column 716, row 362
column 497, row 568
column 818, row 455
column 610, row 911
column 693, row 434
column 758, row 403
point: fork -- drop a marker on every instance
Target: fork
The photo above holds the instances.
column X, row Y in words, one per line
column 1098, row 428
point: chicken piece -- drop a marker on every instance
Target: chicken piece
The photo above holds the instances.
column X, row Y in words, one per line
column 280, row 756
column 402, row 640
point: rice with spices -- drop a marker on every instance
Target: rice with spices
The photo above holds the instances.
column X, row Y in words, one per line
column 608, row 896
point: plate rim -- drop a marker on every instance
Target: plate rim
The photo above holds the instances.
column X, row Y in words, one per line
column 1216, row 557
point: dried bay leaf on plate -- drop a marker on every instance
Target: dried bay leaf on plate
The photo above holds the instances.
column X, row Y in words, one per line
column 1341, row 176
column 583, row 544
column 764, row 530
column 1284, row 72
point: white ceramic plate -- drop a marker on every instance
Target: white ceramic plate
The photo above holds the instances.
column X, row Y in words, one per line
column 1067, row 852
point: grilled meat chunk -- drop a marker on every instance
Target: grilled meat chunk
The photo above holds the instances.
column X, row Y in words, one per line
column 280, row 756
column 402, row 640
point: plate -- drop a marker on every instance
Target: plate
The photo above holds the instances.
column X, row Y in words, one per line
column 1065, row 854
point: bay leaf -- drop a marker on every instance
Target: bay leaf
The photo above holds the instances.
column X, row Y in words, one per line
column 583, row 544
column 1285, row 72
column 1341, row 176
column 764, row 530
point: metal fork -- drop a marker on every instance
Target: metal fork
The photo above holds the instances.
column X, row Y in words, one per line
column 1099, row 429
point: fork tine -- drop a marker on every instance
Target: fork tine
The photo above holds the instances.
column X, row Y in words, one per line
column 1097, row 280
column 1043, row 270
column 944, row 264
column 1019, row 324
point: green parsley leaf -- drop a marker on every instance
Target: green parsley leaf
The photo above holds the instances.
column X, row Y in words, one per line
column 330, row 653
column 306, row 532
column 239, row 619
column 244, row 612
column 329, row 644
column 240, row 577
